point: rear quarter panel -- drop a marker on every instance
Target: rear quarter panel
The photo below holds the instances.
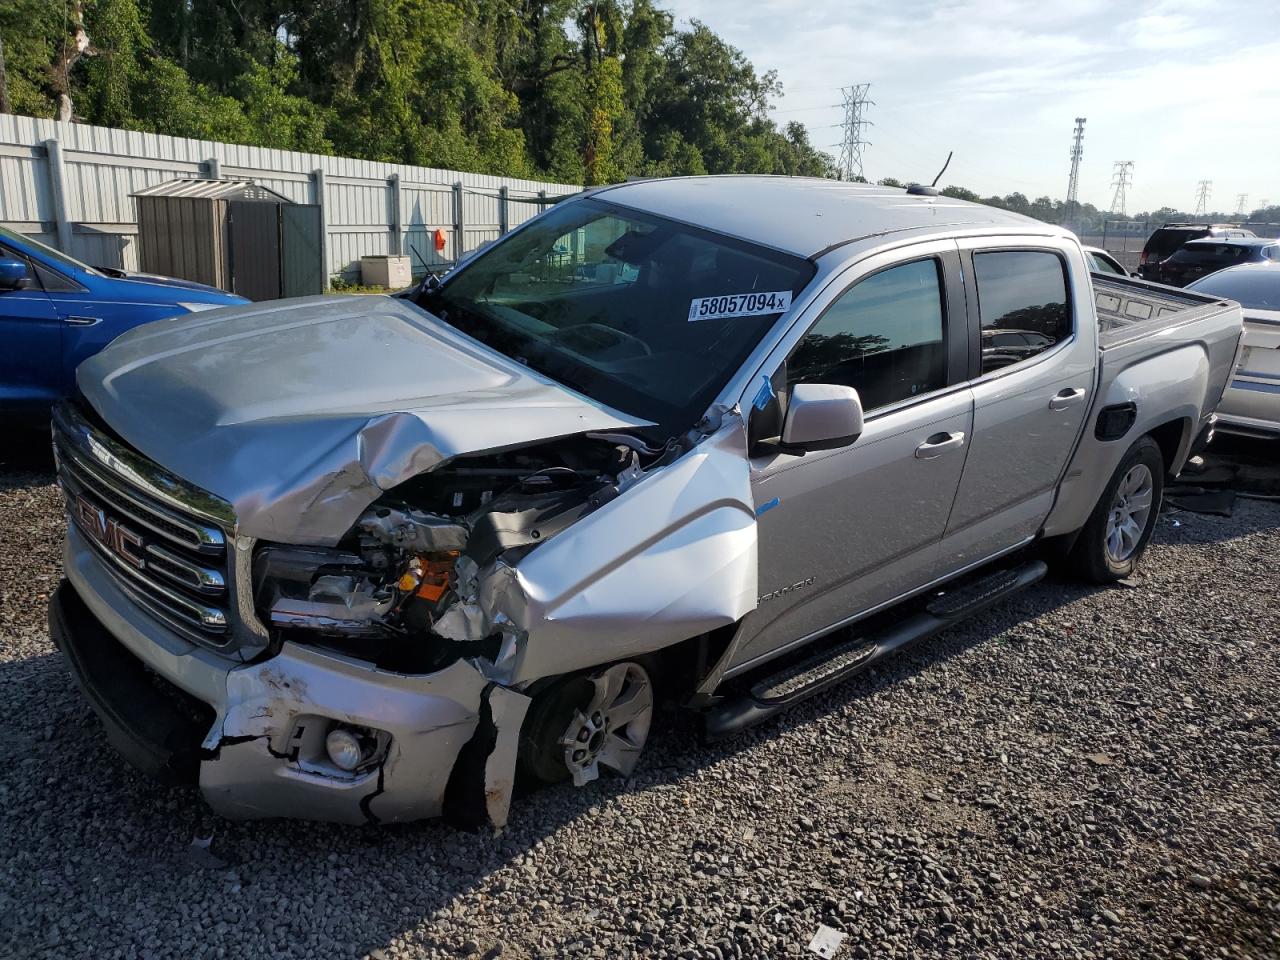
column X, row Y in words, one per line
column 1176, row 374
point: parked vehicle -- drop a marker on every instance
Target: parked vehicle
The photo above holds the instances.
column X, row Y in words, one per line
column 1102, row 262
column 1168, row 240
column 55, row 311
column 1165, row 241
column 1252, row 402
column 371, row 558
column 1201, row 257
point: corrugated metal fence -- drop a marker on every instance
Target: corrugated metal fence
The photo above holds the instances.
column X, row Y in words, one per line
column 69, row 185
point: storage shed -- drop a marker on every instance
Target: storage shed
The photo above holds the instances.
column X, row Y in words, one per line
column 231, row 234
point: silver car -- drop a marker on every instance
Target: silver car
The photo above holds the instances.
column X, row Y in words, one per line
column 1252, row 403
column 373, row 559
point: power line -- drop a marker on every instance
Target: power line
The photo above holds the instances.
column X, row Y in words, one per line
column 1203, row 189
column 1077, row 151
column 1241, row 200
column 1122, row 180
column 825, row 106
column 855, row 124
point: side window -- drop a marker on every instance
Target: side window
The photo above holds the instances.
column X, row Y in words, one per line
column 883, row 336
column 1020, row 292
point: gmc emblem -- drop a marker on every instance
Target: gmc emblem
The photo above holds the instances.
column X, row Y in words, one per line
column 120, row 540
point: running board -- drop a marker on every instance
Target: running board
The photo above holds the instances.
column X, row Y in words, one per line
column 773, row 694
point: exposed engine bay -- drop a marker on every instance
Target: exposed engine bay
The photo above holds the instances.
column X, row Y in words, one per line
column 400, row 590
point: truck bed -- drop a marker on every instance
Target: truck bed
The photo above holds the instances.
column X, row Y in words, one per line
column 1130, row 309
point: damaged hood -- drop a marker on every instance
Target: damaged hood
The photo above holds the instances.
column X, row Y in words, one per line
column 301, row 413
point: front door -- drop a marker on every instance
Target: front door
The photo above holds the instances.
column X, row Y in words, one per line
column 30, row 346
column 844, row 531
column 1034, row 381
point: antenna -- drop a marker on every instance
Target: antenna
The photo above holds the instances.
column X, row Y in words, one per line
column 855, row 124
column 943, row 170
column 1122, row 180
column 1203, row 189
column 1077, row 151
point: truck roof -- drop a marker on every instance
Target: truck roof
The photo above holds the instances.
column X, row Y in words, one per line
column 808, row 216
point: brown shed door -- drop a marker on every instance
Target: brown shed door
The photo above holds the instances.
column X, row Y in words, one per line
column 255, row 249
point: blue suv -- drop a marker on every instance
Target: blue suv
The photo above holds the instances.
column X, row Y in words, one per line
column 56, row 311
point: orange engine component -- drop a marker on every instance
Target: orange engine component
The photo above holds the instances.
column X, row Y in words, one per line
column 432, row 573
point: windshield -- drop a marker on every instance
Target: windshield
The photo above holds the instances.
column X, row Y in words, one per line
column 643, row 314
column 1253, row 289
column 55, row 257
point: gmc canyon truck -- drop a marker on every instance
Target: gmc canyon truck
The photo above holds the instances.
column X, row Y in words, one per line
column 732, row 439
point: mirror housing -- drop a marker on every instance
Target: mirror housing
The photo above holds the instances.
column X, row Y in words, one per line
column 13, row 274
column 821, row 416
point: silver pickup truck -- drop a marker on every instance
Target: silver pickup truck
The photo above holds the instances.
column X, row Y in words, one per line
column 728, row 440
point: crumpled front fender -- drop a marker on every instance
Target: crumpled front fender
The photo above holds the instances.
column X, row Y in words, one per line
column 674, row 556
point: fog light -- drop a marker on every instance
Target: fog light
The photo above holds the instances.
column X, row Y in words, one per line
column 344, row 749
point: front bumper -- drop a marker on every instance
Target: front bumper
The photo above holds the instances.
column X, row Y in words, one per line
column 181, row 713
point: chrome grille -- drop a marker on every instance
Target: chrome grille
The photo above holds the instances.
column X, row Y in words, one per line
column 170, row 560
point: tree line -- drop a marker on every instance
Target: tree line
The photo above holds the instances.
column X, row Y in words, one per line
column 572, row 91
column 568, row 90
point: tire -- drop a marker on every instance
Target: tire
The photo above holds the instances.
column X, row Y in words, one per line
column 1116, row 534
column 583, row 722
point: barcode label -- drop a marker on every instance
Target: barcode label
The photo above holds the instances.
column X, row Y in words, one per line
column 739, row 305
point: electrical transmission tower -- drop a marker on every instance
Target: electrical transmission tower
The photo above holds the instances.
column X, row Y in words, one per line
column 1122, row 180
column 1077, row 152
column 855, row 124
column 1203, row 189
column 1241, row 200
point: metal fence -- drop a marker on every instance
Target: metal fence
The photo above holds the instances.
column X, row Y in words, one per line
column 70, row 185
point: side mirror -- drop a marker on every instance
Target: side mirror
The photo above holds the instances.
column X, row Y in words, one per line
column 13, row 275
column 821, row 416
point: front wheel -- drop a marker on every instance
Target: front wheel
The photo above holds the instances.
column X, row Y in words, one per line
column 1121, row 525
column 586, row 721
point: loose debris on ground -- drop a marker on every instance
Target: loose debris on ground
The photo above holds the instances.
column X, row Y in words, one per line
column 1078, row 773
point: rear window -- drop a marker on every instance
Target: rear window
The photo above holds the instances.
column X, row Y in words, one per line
column 1165, row 241
column 1252, row 289
column 1204, row 252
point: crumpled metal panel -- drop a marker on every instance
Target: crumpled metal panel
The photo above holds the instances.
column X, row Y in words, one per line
column 673, row 557
column 429, row 719
column 301, row 413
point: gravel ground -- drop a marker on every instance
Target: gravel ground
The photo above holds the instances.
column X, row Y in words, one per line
column 1077, row 773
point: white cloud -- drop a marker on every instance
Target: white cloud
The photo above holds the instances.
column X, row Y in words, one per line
column 1182, row 87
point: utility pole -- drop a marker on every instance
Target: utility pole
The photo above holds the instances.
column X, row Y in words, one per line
column 1077, row 151
column 1203, row 189
column 1241, row 200
column 1122, row 180
column 855, row 124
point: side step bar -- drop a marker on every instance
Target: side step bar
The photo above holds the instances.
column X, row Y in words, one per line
column 802, row 680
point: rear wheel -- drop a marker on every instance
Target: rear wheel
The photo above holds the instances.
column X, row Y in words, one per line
column 1118, row 530
column 581, row 723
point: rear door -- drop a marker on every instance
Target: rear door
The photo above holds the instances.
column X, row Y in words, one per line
column 30, row 345
column 1029, row 407
column 843, row 531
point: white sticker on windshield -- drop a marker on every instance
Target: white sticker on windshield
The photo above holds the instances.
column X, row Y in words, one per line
column 739, row 305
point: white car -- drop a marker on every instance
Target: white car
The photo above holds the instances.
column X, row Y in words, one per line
column 1102, row 262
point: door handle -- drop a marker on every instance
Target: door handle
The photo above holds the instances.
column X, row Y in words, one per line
column 939, row 444
column 1066, row 398
column 83, row 321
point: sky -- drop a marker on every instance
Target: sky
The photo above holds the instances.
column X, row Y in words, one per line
column 1187, row 89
